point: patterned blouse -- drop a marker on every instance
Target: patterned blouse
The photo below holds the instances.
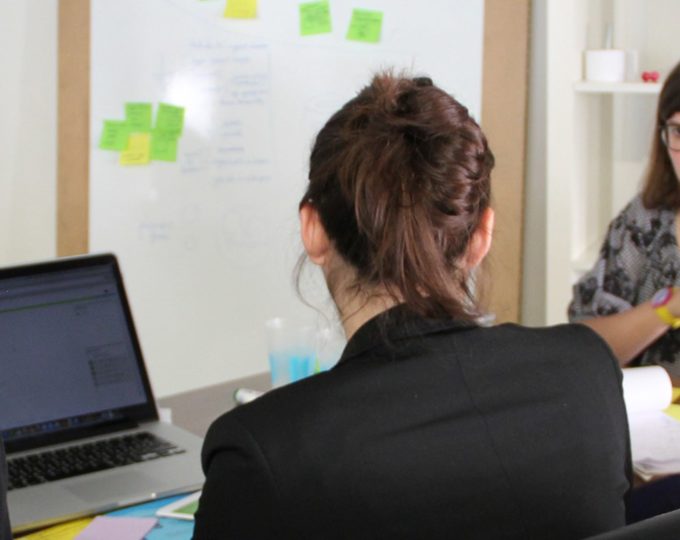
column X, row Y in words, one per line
column 639, row 256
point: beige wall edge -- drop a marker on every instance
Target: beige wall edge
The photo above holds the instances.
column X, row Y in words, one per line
column 73, row 121
column 504, row 112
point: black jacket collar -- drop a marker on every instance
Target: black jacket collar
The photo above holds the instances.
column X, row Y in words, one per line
column 394, row 325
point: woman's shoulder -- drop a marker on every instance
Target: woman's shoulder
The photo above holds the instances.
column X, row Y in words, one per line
column 570, row 340
column 636, row 213
column 565, row 331
column 268, row 412
column 642, row 228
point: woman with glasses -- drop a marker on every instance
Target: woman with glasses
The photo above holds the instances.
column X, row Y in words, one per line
column 631, row 296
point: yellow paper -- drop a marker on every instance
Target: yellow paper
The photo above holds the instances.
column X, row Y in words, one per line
column 138, row 151
column 673, row 410
column 65, row 531
column 676, row 394
column 241, row 9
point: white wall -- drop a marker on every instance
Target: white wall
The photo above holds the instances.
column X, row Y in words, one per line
column 28, row 130
column 586, row 152
column 548, row 194
column 533, row 283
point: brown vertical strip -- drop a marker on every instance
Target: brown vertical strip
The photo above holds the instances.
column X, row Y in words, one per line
column 504, row 108
column 73, row 117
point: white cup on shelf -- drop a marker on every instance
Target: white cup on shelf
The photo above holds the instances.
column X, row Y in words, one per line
column 605, row 65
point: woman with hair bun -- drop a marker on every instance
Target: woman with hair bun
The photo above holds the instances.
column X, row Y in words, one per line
column 429, row 426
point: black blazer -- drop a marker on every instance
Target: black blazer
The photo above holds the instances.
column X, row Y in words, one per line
column 447, row 430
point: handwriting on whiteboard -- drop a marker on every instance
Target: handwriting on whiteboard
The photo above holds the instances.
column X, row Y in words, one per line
column 229, row 135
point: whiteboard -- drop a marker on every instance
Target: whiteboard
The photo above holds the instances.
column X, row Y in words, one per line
column 208, row 243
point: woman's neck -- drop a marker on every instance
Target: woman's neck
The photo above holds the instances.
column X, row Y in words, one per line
column 360, row 308
column 355, row 304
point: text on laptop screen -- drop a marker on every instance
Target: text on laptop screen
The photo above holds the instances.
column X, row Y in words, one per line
column 66, row 356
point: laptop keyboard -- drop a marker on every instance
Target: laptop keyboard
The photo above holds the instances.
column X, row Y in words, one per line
column 86, row 458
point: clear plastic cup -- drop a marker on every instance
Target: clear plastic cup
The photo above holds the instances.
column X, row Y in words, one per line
column 299, row 349
column 292, row 350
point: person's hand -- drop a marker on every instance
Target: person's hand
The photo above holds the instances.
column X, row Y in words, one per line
column 674, row 303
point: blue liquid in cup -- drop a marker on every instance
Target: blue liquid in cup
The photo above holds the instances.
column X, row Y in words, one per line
column 287, row 367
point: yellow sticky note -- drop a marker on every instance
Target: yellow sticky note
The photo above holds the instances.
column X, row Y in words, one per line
column 241, row 9
column 138, row 150
column 65, row 531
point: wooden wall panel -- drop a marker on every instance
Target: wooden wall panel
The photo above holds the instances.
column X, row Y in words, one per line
column 504, row 120
column 73, row 127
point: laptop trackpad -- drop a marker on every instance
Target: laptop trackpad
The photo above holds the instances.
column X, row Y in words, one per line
column 121, row 485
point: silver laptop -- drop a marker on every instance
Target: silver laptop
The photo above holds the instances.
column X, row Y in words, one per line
column 77, row 413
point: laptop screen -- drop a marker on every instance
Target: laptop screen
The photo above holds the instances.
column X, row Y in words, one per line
column 69, row 357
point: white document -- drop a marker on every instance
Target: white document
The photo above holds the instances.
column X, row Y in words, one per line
column 655, row 436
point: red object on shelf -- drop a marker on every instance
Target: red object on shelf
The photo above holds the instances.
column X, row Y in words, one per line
column 650, row 76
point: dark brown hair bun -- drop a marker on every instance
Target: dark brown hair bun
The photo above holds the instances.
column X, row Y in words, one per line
column 400, row 176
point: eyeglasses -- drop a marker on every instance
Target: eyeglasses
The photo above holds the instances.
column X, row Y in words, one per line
column 670, row 135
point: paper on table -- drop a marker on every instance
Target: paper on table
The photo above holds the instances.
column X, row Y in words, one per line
column 646, row 389
column 117, row 528
column 184, row 508
column 655, row 443
column 654, row 436
column 63, row 531
column 165, row 528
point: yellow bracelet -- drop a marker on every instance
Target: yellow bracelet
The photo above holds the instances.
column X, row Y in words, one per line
column 666, row 316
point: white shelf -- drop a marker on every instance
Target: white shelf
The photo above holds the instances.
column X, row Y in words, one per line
column 588, row 87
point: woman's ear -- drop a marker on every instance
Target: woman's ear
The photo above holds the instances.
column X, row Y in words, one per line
column 314, row 237
column 481, row 239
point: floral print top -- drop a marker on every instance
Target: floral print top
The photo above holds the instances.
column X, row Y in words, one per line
column 639, row 256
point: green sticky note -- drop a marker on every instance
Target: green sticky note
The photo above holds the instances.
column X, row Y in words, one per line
column 138, row 117
column 170, row 119
column 315, row 18
column 365, row 26
column 114, row 135
column 163, row 146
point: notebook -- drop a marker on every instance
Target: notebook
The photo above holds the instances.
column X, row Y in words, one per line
column 73, row 377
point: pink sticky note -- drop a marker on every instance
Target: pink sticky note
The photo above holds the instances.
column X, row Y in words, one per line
column 117, row 528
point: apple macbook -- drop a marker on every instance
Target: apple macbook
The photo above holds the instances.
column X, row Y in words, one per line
column 77, row 412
